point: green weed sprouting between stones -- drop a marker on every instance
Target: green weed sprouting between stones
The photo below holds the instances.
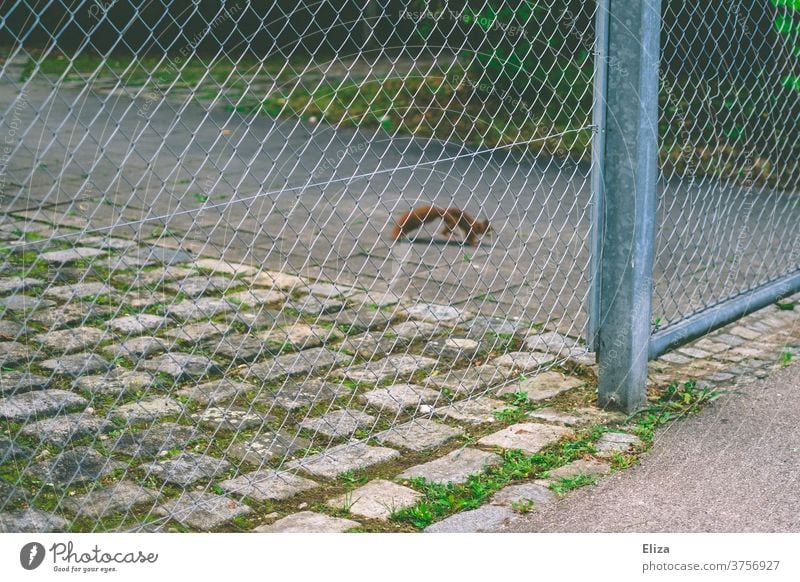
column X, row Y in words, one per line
column 567, row 484
column 676, row 402
column 441, row 500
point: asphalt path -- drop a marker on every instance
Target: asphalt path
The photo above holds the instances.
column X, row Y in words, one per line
column 733, row 467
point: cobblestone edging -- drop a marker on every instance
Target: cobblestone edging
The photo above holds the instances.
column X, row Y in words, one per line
column 143, row 390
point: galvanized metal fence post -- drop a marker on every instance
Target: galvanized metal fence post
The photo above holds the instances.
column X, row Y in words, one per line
column 627, row 211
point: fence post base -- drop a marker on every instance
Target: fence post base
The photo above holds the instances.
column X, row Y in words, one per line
column 627, row 213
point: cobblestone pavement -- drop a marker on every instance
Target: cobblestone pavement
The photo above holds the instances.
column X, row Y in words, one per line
column 144, row 388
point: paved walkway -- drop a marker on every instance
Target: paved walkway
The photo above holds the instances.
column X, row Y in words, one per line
column 735, row 467
column 147, row 389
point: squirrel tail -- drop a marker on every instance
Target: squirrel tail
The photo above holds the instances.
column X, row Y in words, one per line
column 396, row 232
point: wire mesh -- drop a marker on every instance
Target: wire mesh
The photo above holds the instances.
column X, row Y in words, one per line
column 728, row 206
column 204, row 318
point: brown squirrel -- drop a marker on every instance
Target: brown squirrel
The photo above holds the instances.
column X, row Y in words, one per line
column 453, row 218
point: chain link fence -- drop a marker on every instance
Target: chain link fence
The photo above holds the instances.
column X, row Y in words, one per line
column 729, row 145
column 205, row 318
column 203, row 311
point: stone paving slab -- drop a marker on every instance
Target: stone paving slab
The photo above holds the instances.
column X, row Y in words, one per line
column 9, row 449
column 729, row 339
column 142, row 298
column 524, row 361
column 9, row 495
column 611, row 442
column 311, row 305
column 419, row 434
column 147, row 409
column 361, row 320
column 378, row 499
column 483, row 519
column 277, row 280
column 237, row 347
column 330, row 290
column 437, row 314
column 470, row 380
column 19, row 382
column 31, row 521
column 350, row 456
column 221, row 418
column 11, row 330
column 12, row 353
column 694, row 352
column 338, row 423
column 399, row 397
column 542, row 386
column 372, row 345
column 155, row 440
column 70, row 255
column 73, row 467
column 256, row 297
column 309, row 522
column 294, row 394
column 78, row 291
column 535, row 492
column 674, row 358
column 588, row 467
column 119, row 497
column 137, row 347
column 528, row 437
column 39, row 403
column 454, row 467
column 453, row 349
column 299, row 336
column 17, row 284
column 580, row 416
column 203, row 308
column 479, row 326
column 374, row 297
column 744, row 332
column 221, row 266
column 268, row 446
column 550, row 342
column 70, row 340
column 416, row 330
column 260, row 319
column 180, row 365
column 158, row 276
column 267, row 485
column 160, row 254
column 107, row 242
column 197, row 332
column 396, row 368
column 310, row 361
column 481, row 410
column 195, row 286
column 137, row 324
column 68, row 315
column 64, row 428
column 24, row 303
column 76, row 364
column 214, row 392
column 203, row 511
column 116, row 382
column 186, row 468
